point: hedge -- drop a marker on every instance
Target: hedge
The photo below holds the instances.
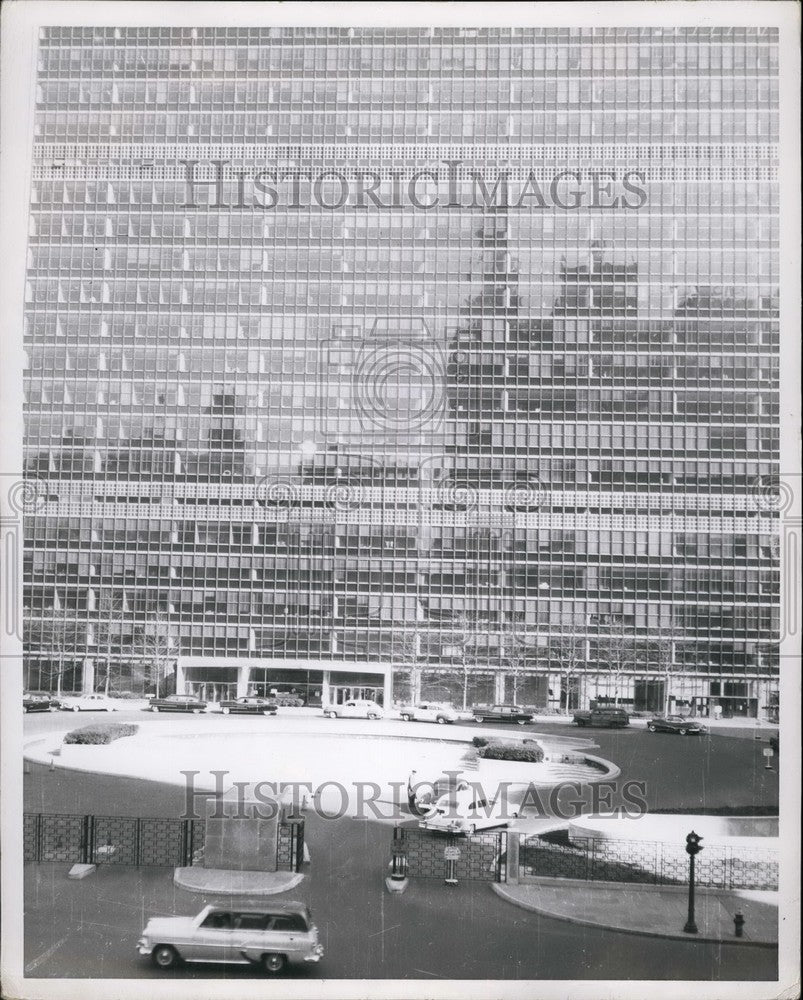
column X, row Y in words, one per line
column 101, row 733
column 527, row 755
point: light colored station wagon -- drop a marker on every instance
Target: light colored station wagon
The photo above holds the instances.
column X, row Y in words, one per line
column 272, row 936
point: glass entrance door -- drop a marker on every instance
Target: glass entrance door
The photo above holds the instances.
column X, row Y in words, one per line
column 340, row 694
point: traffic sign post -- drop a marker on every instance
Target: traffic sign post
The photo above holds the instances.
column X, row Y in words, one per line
column 769, row 753
column 451, row 853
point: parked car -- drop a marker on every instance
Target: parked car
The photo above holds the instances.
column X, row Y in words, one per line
column 178, row 703
column 429, row 711
column 271, row 935
column 250, row 705
column 612, row 717
column 89, row 703
column 502, row 713
column 465, row 809
column 674, row 724
column 356, row 708
column 39, row 701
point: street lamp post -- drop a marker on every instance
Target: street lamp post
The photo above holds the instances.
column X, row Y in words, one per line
column 693, row 848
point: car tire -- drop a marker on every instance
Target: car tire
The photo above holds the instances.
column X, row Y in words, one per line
column 75, row 708
column 373, row 715
column 273, row 963
column 652, row 728
column 521, row 722
column 441, row 720
column 52, row 708
column 682, row 732
column 406, row 718
column 226, row 711
column 479, row 718
column 267, row 712
column 196, row 711
column 580, row 722
column 331, row 715
column 164, row 956
column 154, row 708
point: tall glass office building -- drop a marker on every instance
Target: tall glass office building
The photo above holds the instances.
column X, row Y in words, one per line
column 434, row 363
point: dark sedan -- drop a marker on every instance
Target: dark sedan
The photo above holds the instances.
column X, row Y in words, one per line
column 39, row 701
column 674, row 724
column 251, row 706
column 502, row 713
column 178, row 703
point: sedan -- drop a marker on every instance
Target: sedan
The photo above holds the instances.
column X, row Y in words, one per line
column 429, row 711
column 251, row 706
column 178, row 703
column 39, row 701
column 357, row 708
column 674, row 724
column 89, row 703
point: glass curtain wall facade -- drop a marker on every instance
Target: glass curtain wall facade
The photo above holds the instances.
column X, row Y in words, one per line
column 448, row 354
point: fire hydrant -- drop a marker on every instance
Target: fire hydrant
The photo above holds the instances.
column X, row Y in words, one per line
column 738, row 925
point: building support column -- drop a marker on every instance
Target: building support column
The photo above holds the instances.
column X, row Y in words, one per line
column 325, row 697
column 243, row 680
column 387, row 685
column 415, row 684
column 179, row 678
column 499, row 687
column 512, row 858
column 88, row 676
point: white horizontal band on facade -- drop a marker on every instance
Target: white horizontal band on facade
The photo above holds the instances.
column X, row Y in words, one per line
column 357, row 515
column 178, row 173
column 167, row 492
column 271, row 153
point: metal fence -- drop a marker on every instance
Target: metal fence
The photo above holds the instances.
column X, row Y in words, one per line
column 650, row 862
column 480, row 857
column 135, row 840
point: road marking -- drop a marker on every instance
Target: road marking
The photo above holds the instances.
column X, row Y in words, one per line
column 45, row 955
column 393, row 928
column 433, row 974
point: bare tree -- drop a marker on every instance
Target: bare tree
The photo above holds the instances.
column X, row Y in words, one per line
column 466, row 631
column 404, row 653
column 159, row 641
column 61, row 637
column 109, row 631
column 625, row 651
column 570, row 653
column 621, row 652
column 521, row 655
column 662, row 650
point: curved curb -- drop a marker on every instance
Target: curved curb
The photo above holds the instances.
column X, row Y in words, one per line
column 235, row 883
column 543, row 911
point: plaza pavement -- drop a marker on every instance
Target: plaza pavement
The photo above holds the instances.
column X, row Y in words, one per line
column 650, row 910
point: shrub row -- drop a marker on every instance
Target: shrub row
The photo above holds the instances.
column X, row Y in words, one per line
column 101, row 733
column 498, row 751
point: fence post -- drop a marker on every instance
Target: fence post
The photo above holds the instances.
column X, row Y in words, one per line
column 138, row 842
column 87, row 840
column 186, row 851
column 299, row 847
column 512, row 858
column 39, row 835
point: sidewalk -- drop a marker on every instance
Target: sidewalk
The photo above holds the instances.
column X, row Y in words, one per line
column 651, row 910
